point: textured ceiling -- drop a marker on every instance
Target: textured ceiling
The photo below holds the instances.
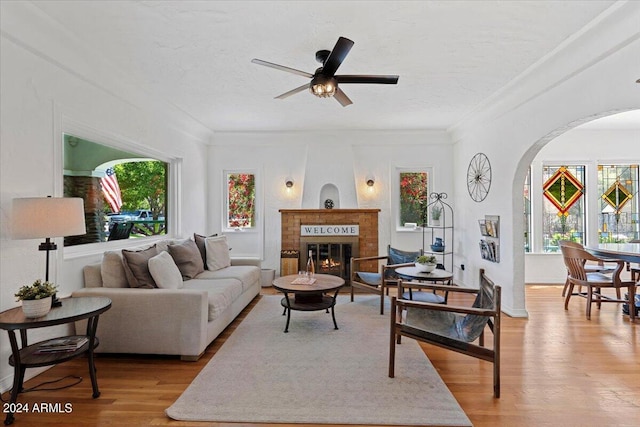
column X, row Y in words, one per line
column 450, row 55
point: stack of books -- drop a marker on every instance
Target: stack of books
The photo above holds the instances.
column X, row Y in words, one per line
column 66, row 344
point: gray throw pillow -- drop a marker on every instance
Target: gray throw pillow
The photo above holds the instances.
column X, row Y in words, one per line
column 136, row 267
column 188, row 259
column 201, row 247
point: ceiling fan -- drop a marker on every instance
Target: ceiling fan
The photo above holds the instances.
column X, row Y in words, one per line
column 324, row 82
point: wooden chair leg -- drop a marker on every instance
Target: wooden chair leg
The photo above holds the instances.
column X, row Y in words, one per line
column 568, row 296
column 631, row 300
column 566, row 286
column 589, row 301
column 392, row 340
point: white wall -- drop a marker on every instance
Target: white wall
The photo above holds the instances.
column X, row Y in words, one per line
column 278, row 155
column 593, row 75
column 577, row 146
column 41, row 96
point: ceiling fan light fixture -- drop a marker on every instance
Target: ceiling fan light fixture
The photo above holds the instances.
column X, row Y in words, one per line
column 323, row 87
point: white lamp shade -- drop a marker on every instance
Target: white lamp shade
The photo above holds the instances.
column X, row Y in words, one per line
column 41, row 217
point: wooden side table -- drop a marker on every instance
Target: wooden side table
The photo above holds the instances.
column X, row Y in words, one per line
column 28, row 356
column 309, row 297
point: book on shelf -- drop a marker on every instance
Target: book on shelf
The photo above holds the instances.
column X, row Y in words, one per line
column 62, row 344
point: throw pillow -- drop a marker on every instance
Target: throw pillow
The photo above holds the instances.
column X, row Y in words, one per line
column 188, row 259
column 165, row 272
column 199, row 239
column 136, row 266
column 112, row 270
column 217, row 253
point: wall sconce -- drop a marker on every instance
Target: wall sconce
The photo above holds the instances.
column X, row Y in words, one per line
column 370, row 181
column 289, row 183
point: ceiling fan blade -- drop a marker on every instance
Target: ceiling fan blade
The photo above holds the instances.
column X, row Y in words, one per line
column 293, row 91
column 342, row 98
column 389, row 80
column 337, row 55
column 281, row 68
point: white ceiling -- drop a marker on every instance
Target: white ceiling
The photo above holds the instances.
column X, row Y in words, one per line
column 450, row 55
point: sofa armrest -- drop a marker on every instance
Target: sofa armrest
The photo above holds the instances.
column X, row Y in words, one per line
column 246, row 261
column 158, row 321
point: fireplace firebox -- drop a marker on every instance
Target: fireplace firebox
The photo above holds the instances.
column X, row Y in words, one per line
column 331, row 255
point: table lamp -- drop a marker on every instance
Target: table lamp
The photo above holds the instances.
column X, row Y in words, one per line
column 47, row 217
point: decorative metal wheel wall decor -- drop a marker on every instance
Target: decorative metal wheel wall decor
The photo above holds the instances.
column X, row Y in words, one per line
column 479, row 177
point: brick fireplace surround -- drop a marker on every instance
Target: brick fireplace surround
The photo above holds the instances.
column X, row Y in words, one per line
column 367, row 219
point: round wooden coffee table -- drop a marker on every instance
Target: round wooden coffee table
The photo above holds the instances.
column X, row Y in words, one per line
column 308, row 297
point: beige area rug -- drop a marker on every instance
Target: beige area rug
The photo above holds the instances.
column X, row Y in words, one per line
column 316, row 374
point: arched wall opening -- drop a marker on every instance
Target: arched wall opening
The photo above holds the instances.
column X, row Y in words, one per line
column 551, row 269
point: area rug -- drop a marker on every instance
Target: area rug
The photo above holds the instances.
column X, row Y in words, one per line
column 318, row 375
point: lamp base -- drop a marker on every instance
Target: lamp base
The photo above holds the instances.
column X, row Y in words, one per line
column 55, row 301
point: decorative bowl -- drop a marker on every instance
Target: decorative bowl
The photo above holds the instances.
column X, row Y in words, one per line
column 425, row 268
column 36, row 307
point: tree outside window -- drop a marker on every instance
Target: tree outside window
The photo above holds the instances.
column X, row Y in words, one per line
column 413, row 197
column 241, row 200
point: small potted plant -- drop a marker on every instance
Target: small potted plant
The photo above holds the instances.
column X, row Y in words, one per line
column 436, row 211
column 36, row 298
column 426, row 263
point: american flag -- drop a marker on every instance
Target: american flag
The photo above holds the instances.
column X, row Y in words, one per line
column 111, row 190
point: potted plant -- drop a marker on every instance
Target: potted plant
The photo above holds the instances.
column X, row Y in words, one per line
column 36, row 298
column 426, row 263
column 436, row 211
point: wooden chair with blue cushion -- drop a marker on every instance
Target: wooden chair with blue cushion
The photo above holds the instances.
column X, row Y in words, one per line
column 453, row 327
column 367, row 272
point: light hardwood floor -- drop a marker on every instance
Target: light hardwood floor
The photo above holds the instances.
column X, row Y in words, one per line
column 558, row 369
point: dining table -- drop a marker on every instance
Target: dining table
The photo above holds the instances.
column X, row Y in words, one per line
column 629, row 252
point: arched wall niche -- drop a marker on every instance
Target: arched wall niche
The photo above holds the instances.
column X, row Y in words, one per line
column 329, row 192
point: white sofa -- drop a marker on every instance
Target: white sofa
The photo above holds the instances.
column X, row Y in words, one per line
column 180, row 320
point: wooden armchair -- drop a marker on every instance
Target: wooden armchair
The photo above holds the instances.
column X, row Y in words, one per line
column 598, row 267
column 575, row 260
column 451, row 327
column 368, row 272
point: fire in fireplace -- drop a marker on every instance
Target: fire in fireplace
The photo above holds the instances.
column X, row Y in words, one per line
column 330, row 258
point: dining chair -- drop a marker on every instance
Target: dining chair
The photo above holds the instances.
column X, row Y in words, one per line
column 599, row 267
column 452, row 327
column 384, row 277
column 594, row 282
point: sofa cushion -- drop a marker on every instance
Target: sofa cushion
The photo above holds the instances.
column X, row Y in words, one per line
column 221, row 293
column 217, row 252
column 188, row 259
column 112, row 270
column 165, row 272
column 199, row 239
column 248, row 275
column 136, row 267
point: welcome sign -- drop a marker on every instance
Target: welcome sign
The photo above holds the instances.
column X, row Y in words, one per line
column 330, row 230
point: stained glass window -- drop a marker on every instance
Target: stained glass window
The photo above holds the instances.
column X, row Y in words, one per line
column 563, row 205
column 618, row 187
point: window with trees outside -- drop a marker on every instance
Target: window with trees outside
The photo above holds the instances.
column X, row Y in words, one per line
column 618, row 190
column 414, row 194
column 563, row 205
column 241, row 200
column 124, row 193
